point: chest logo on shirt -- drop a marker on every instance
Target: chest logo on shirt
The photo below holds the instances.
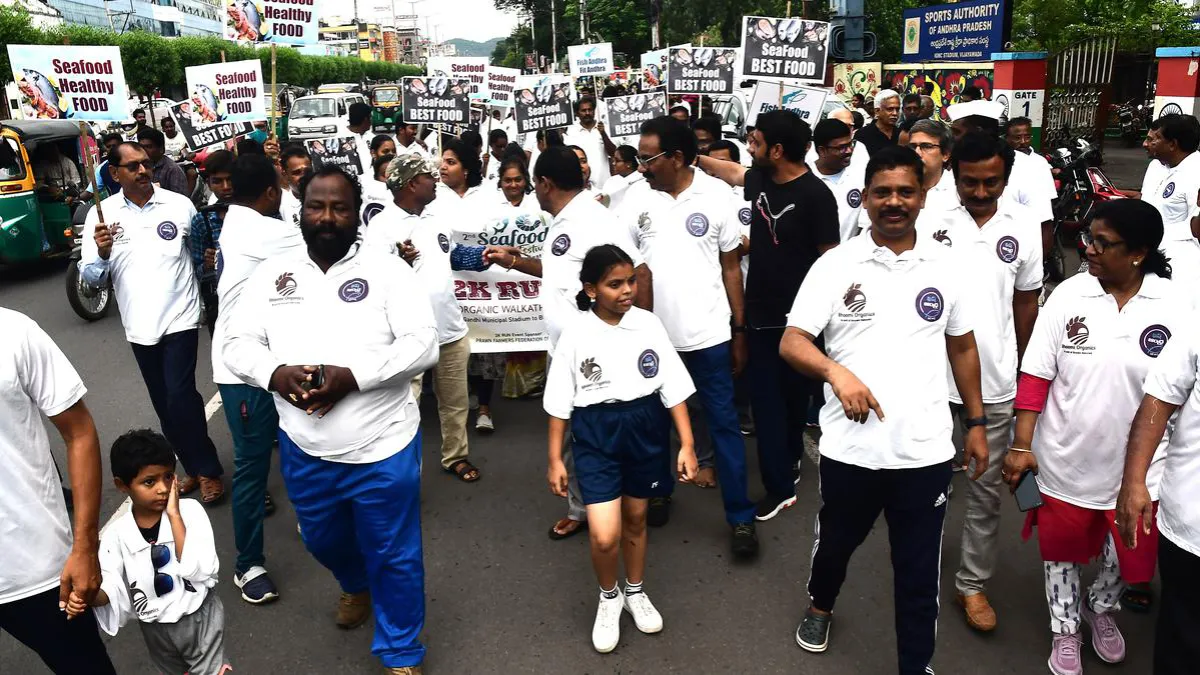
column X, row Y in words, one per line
column 1007, row 248
column 591, row 370
column 444, row 242
column 930, row 304
column 354, row 290
column 561, row 244
column 168, row 230
column 644, row 221
column 1153, row 339
column 854, row 299
column 854, row 198
column 1077, row 331
column 744, row 215
column 1169, row 190
column 697, row 224
column 943, row 237
column 373, row 209
column 648, row 363
column 285, row 284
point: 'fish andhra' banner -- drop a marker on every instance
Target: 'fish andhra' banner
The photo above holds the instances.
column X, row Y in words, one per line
column 340, row 152
column 200, row 137
column 502, row 82
column 543, row 102
column 626, row 113
column 701, row 70
column 805, row 102
column 588, row 60
column 289, row 22
column 227, row 92
column 77, row 83
column 793, row 49
column 503, row 309
column 473, row 68
column 436, row 99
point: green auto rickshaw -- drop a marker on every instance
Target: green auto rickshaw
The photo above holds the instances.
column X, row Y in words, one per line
column 385, row 106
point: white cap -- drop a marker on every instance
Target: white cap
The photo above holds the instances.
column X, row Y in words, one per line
column 885, row 95
column 989, row 109
column 681, row 104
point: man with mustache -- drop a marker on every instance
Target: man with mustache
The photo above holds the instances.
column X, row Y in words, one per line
column 350, row 447
column 141, row 248
column 886, row 293
column 1000, row 242
column 589, row 134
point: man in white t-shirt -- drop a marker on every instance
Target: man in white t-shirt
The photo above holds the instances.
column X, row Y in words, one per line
column 1027, row 187
column 589, row 134
column 359, row 119
column 1018, row 133
column 1000, row 243
column 406, row 140
column 44, row 561
column 295, row 162
column 894, row 312
column 1170, row 387
column 836, row 169
column 1171, row 184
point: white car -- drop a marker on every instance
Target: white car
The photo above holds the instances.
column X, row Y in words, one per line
column 321, row 115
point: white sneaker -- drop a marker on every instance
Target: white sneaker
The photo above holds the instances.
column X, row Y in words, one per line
column 606, row 632
column 647, row 619
column 484, row 423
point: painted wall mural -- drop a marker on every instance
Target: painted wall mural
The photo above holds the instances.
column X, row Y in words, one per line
column 856, row 78
column 948, row 82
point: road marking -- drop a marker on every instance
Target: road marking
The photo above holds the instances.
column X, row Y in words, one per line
column 210, row 409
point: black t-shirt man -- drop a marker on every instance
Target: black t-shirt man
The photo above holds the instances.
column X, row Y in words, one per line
column 873, row 137
column 789, row 224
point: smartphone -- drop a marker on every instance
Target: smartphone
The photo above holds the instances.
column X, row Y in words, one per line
column 1028, row 495
column 318, row 379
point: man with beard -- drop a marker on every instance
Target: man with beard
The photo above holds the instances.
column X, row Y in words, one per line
column 295, row 163
column 350, row 441
column 886, row 293
column 141, row 250
column 883, row 131
column 836, row 168
column 999, row 242
column 589, row 134
column 206, row 231
column 793, row 220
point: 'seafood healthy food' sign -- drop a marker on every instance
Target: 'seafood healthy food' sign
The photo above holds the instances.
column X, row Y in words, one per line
column 63, row 82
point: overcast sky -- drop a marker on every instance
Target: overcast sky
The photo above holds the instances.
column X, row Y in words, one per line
column 470, row 19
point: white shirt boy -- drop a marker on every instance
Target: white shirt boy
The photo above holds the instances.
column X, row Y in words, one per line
column 847, row 186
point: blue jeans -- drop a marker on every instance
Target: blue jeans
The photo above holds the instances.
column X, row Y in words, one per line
column 779, row 397
column 254, row 424
column 169, row 371
column 363, row 523
column 712, row 372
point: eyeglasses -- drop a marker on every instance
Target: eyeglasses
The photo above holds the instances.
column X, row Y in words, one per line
column 924, row 147
column 643, row 161
column 160, row 555
column 133, row 166
column 1099, row 243
column 841, row 149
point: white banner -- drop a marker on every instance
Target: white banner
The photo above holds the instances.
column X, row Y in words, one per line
column 594, row 59
column 502, row 308
column 227, row 92
column 501, row 84
column 806, row 102
column 473, row 68
column 77, row 83
column 290, row 22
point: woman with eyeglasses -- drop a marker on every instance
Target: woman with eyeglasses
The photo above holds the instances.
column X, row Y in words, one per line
column 1080, row 385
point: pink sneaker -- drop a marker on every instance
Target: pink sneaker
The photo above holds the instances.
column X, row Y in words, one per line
column 1106, row 637
column 1064, row 657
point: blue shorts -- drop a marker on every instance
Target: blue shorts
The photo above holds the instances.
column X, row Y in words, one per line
column 623, row 449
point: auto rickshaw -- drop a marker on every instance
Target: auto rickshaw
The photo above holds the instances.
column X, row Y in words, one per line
column 385, row 106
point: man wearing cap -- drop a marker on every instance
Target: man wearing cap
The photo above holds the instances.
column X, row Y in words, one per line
column 883, row 131
column 407, row 228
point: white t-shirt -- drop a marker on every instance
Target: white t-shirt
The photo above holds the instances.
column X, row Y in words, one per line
column 1097, row 358
column 682, row 239
column 174, row 147
column 593, row 146
column 1172, row 378
column 595, row 362
column 414, row 148
column 942, row 197
column 618, row 186
column 579, row 227
column 247, row 239
column 289, row 208
column 35, row 379
column 151, row 268
column 847, row 187
column 1005, row 255
column 885, row 318
column 1027, row 187
column 375, row 197
column 1172, row 190
column 858, row 159
column 431, row 236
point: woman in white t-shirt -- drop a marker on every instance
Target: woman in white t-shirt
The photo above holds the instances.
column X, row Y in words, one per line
column 1081, row 383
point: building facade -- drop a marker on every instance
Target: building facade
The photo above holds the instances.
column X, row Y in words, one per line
column 163, row 17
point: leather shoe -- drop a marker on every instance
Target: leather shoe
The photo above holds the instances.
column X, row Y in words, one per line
column 406, row 670
column 979, row 612
column 353, row 610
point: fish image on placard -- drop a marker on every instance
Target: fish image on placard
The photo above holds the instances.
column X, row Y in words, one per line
column 206, row 110
column 41, row 97
column 245, row 21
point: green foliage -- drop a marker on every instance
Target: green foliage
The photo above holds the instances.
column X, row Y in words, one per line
column 153, row 62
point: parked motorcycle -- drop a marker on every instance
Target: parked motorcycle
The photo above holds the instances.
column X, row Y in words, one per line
column 1132, row 120
column 89, row 302
column 1081, row 186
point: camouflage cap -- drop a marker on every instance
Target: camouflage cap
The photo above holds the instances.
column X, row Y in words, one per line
column 407, row 167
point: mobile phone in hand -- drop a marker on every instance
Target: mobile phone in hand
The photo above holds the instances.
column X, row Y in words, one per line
column 1028, row 495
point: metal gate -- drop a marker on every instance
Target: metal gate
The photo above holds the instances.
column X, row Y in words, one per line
column 1079, row 84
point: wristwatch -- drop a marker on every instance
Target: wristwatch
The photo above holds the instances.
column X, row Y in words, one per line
column 980, row 421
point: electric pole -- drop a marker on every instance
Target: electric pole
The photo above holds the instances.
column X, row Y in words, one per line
column 655, row 13
column 582, row 26
column 553, row 37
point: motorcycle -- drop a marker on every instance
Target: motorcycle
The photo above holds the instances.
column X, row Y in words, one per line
column 1131, row 119
column 1081, row 186
column 91, row 303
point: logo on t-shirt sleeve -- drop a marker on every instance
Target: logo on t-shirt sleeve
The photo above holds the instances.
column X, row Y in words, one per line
column 561, row 244
column 1153, row 339
column 444, row 242
column 697, row 224
column 930, row 304
column 168, row 230
column 1007, row 248
column 648, row 363
column 1169, row 190
column 854, row 198
column 354, row 290
column 744, row 215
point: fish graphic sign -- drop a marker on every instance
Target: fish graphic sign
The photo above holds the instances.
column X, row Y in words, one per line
column 72, row 83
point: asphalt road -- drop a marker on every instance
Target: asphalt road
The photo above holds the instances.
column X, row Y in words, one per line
column 502, row 597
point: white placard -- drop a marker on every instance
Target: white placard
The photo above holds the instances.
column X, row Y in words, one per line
column 588, row 60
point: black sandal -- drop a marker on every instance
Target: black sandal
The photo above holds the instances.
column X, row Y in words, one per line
column 464, row 471
column 1137, row 600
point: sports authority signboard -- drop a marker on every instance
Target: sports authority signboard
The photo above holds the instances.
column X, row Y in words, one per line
column 543, row 102
column 288, row 22
column 806, row 102
column 473, row 68
column 76, row 83
column 227, row 92
column 701, row 70
column 203, row 136
column 502, row 82
column 626, row 113
column 963, row 31
column 438, row 100
column 594, row 59
column 340, row 152
column 792, row 49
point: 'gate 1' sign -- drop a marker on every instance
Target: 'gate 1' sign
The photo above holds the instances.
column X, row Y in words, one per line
column 1021, row 103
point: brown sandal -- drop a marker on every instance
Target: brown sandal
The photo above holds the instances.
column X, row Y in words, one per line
column 464, row 470
column 567, row 528
column 212, row 490
column 188, row 485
